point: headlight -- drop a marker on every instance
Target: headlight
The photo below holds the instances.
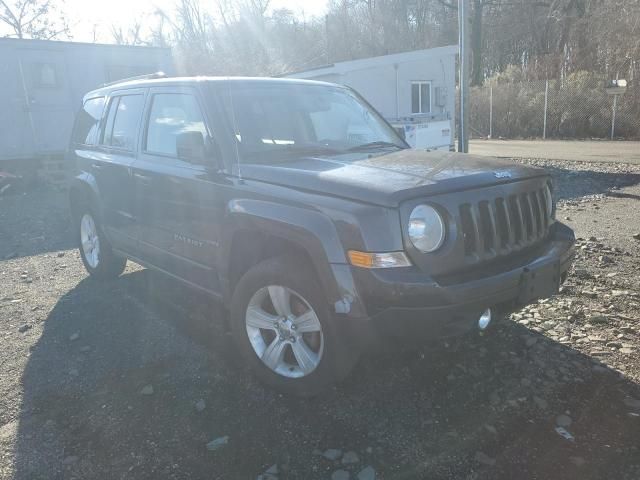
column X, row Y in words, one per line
column 426, row 228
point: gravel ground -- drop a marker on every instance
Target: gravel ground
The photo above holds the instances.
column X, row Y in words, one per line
column 135, row 379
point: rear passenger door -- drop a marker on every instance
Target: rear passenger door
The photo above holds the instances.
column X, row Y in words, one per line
column 111, row 166
column 86, row 130
column 178, row 201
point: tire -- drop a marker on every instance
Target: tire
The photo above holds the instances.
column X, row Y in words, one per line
column 256, row 289
column 95, row 250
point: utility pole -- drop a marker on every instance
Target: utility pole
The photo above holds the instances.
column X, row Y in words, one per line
column 326, row 34
column 491, row 111
column 615, row 87
column 464, row 50
column 546, row 104
column 613, row 117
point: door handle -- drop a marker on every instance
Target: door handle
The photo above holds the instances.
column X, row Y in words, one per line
column 143, row 179
column 97, row 166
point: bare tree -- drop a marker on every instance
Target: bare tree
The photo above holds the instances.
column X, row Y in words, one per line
column 189, row 23
column 129, row 35
column 542, row 38
column 42, row 19
column 159, row 36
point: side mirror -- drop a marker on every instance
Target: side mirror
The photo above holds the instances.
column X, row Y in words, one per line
column 190, row 146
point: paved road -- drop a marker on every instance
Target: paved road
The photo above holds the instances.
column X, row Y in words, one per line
column 590, row 151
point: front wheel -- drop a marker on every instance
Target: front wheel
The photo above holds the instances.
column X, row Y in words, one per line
column 283, row 328
column 95, row 250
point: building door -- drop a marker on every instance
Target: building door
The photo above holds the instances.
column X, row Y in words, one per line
column 47, row 98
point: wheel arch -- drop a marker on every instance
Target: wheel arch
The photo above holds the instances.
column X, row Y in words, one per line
column 83, row 190
column 259, row 230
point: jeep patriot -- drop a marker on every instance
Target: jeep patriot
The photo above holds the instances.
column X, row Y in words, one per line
column 308, row 216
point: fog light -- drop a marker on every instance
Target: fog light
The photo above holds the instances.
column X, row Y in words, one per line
column 485, row 319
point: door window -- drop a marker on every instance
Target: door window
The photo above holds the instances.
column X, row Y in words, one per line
column 173, row 115
column 122, row 121
column 87, row 123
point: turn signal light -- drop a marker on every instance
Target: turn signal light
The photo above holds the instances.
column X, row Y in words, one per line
column 378, row 260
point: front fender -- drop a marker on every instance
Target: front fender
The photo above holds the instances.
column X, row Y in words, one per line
column 313, row 232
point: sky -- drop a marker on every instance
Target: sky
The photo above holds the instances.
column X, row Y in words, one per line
column 85, row 16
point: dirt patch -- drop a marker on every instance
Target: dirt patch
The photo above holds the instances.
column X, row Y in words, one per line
column 78, row 358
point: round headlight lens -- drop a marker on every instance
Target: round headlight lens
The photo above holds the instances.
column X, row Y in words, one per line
column 426, row 228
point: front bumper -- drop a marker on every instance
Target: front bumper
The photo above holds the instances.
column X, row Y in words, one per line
column 411, row 304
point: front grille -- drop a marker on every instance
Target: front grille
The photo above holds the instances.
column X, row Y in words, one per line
column 502, row 225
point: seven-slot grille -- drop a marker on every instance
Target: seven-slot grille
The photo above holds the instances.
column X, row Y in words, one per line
column 504, row 224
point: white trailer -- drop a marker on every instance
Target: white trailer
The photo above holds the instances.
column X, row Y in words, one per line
column 42, row 84
column 414, row 91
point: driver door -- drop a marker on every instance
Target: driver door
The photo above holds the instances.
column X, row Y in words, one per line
column 177, row 197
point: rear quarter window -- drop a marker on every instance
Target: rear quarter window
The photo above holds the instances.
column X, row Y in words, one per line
column 87, row 123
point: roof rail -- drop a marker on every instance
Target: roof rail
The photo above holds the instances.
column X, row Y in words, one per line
column 148, row 76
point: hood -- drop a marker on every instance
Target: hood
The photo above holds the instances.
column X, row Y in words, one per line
column 391, row 179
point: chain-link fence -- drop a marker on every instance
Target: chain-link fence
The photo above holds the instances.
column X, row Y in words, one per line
column 578, row 106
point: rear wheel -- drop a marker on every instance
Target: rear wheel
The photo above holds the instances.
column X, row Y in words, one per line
column 95, row 250
column 283, row 328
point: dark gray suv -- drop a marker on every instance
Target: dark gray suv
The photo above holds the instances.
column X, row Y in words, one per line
column 299, row 207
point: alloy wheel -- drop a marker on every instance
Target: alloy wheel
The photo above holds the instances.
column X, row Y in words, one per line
column 89, row 240
column 284, row 331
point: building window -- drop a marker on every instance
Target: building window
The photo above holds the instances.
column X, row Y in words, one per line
column 45, row 75
column 421, row 97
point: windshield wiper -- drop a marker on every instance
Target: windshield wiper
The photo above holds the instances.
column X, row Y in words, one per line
column 310, row 149
column 374, row 145
column 289, row 153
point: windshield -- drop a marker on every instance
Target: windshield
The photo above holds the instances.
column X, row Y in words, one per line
column 277, row 122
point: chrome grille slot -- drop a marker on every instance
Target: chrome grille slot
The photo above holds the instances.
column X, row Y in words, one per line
column 527, row 215
column 535, row 205
column 487, row 226
column 544, row 221
column 468, row 230
column 545, row 207
column 516, row 219
column 503, row 223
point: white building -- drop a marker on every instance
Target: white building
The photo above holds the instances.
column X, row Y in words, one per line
column 414, row 91
column 42, row 83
